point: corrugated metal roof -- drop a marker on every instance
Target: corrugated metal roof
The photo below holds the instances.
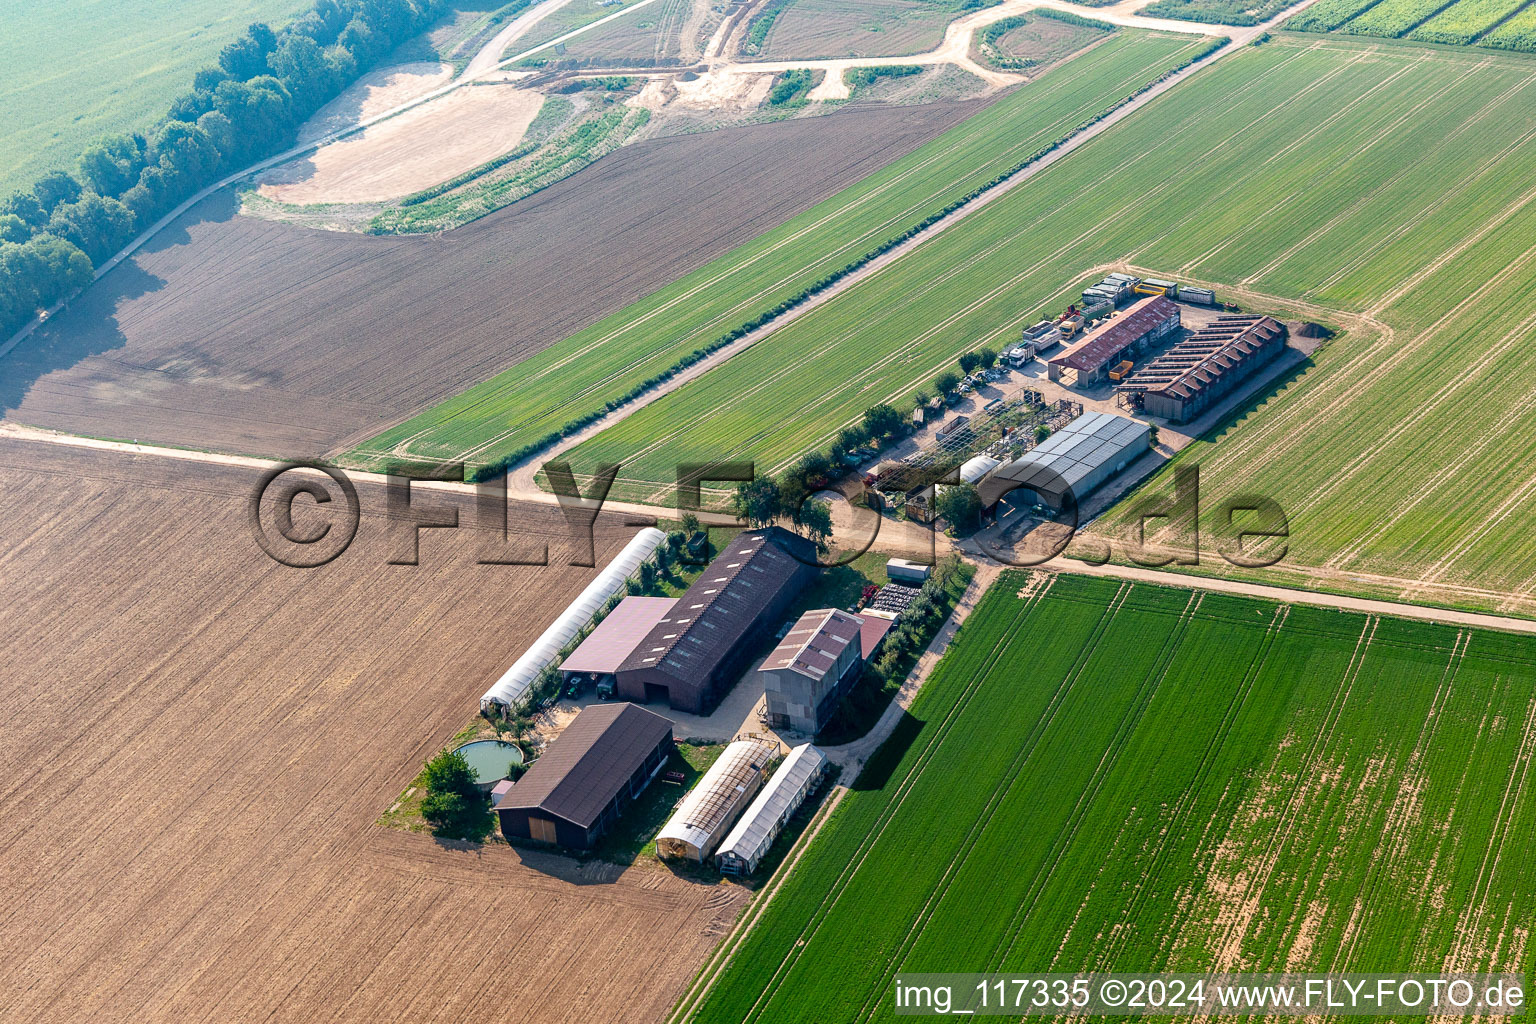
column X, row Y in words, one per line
column 1068, row 456
column 588, row 763
column 721, row 605
column 815, row 642
column 620, row 632
column 780, row 798
column 1101, row 348
column 872, row 632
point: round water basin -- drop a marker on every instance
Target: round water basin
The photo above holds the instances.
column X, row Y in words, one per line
column 490, row 760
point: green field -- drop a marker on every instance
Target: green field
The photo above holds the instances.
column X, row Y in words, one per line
column 1502, row 24
column 1216, row 12
column 578, row 376
column 1106, row 777
column 1350, row 178
column 75, row 71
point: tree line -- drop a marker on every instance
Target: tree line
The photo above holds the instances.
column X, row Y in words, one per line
column 246, row 107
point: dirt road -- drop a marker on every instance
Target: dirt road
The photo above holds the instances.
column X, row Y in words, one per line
column 901, row 541
column 488, row 57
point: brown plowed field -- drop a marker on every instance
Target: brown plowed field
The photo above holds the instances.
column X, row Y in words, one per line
column 198, row 741
column 855, row 28
column 246, row 335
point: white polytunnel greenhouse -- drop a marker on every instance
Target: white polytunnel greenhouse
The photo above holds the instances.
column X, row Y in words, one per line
column 704, row 815
column 761, row 823
column 514, row 683
column 977, row 467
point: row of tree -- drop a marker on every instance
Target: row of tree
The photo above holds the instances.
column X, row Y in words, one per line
column 246, row 107
column 767, row 499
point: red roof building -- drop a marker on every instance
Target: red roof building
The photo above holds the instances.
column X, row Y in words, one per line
column 1144, row 324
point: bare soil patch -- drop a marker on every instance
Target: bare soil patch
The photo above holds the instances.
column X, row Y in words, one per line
column 374, row 93
column 422, row 147
column 238, row 334
column 856, row 28
column 199, row 742
column 1040, row 41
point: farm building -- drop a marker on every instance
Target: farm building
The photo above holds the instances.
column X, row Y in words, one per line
column 615, row 638
column 706, row 814
column 514, row 683
column 1092, row 359
column 811, row 669
column 1074, row 461
column 595, row 768
column 696, row 652
column 1189, row 378
column 743, row 850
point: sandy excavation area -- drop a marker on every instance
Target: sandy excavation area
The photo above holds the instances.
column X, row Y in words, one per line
column 199, row 742
column 374, row 93
column 425, row 145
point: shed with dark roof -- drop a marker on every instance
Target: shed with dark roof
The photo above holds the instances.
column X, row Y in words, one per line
column 695, row 653
column 593, row 770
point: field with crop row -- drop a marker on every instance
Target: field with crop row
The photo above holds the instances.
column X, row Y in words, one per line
column 1217, row 12
column 1502, row 24
column 1382, row 181
column 1100, row 776
column 577, row 377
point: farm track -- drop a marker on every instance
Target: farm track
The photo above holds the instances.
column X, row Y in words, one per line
column 1308, row 805
column 837, row 252
column 868, row 841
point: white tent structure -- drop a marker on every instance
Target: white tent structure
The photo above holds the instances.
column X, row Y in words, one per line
column 514, row 684
column 708, row 810
column 747, row 844
column 977, row 467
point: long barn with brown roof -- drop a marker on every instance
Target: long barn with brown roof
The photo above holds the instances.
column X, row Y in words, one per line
column 592, row 771
column 1189, row 378
column 1144, row 324
column 698, row 650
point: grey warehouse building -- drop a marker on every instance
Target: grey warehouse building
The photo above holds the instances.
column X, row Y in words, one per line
column 1077, row 459
column 699, row 649
column 811, row 669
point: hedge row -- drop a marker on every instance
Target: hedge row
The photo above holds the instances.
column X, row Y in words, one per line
column 531, row 449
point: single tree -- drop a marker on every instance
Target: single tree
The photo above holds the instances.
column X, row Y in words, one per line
column 816, row 521
column 1041, row 433
column 945, row 382
column 54, row 189
column 968, row 362
column 961, row 505
column 988, row 358
column 883, row 421
column 454, row 805
column 848, row 439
